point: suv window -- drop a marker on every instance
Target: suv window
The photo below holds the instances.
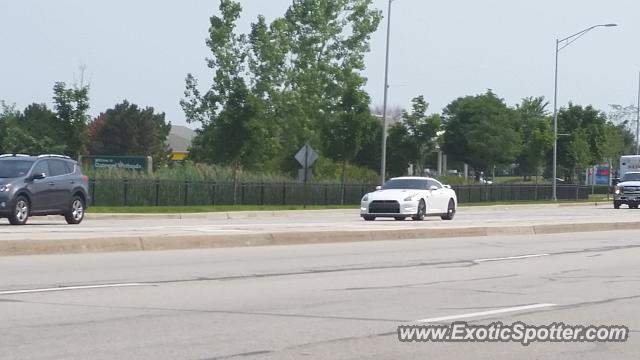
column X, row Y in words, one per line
column 41, row 168
column 58, row 167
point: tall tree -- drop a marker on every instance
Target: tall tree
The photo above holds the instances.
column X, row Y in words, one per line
column 481, row 131
column 298, row 66
column 414, row 138
column 537, row 136
column 36, row 130
column 230, row 114
column 585, row 142
column 128, row 130
column 72, row 105
column 342, row 134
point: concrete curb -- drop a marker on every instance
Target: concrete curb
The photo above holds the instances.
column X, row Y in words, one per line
column 286, row 213
column 216, row 215
column 150, row 243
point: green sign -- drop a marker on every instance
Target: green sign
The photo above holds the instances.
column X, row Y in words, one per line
column 137, row 163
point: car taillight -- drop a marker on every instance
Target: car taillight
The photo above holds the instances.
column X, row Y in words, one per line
column 85, row 179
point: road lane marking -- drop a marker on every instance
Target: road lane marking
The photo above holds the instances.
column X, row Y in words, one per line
column 65, row 288
column 485, row 313
column 510, row 258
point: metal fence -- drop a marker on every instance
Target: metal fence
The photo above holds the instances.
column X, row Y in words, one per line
column 516, row 192
column 183, row 193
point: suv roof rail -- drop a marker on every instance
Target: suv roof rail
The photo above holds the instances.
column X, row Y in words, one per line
column 12, row 155
column 54, row 155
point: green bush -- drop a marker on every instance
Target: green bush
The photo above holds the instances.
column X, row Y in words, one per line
column 326, row 170
column 189, row 172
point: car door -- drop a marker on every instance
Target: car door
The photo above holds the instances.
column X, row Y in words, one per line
column 437, row 198
column 42, row 192
column 61, row 183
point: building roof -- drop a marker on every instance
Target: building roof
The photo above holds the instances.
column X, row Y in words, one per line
column 180, row 138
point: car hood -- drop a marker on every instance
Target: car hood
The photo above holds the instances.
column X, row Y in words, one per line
column 629, row 183
column 393, row 194
column 5, row 181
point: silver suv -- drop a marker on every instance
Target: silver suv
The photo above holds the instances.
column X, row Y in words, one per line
column 41, row 185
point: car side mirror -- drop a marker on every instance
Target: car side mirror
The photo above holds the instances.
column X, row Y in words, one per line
column 447, row 186
column 433, row 187
column 378, row 187
column 38, row 176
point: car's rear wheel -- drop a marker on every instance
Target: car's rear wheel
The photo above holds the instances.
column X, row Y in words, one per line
column 369, row 218
column 422, row 211
column 451, row 211
column 76, row 211
column 633, row 206
column 21, row 211
column 399, row 218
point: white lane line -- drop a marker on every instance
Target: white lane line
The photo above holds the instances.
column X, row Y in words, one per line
column 65, row 288
column 485, row 313
column 510, row 258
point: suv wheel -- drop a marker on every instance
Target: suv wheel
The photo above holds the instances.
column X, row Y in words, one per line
column 21, row 211
column 76, row 211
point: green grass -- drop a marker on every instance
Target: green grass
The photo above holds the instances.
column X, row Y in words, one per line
column 202, row 209
column 595, row 198
column 516, row 180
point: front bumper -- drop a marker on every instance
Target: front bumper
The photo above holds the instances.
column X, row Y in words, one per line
column 622, row 198
column 5, row 205
column 389, row 208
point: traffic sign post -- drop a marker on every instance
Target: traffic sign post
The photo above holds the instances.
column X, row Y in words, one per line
column 306, row 156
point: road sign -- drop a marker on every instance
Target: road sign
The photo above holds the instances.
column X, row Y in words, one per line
column 306, row 156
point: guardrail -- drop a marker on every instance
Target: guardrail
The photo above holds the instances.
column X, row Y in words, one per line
column 184, row 193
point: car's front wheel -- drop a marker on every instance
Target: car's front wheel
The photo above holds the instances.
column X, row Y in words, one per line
column 21, row 211
column 422, row 211
column 368, row 218
column 451, row 211
column 76, row 211
column 616, row 204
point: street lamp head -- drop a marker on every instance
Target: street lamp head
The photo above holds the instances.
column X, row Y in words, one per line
column 610, row 25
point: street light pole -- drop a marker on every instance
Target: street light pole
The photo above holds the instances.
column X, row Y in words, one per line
column 638, row 119
column 567, row 41
column 555, row 126
column 383, row 160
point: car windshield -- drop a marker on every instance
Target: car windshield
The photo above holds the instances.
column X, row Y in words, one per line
column 14, row 168
column 418, row 184
column 631, row 177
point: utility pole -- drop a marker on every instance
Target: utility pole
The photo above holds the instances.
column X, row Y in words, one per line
column 638, row 119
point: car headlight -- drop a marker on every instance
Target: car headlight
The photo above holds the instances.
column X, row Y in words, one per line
column 5, row 188
column 410, row 197
column 365, row 198
column 619, row 190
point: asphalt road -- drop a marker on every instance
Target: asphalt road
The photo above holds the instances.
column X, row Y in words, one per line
column 100, row 226
column 329, row 301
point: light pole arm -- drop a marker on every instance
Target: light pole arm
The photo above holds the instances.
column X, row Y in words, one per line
column 571, row 38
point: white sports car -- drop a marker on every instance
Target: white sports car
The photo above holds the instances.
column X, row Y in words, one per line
column 417, row 197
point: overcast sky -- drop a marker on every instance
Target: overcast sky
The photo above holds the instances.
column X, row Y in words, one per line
column 141, row 50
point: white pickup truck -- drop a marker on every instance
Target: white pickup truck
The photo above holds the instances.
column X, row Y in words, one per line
column 627, row 191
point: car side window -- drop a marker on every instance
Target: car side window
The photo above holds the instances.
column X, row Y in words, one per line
column 431, row 183
column 41, row 168
column 57, row 167
column 70, row 167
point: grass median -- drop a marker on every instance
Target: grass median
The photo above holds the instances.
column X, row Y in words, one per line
column 594, row 199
